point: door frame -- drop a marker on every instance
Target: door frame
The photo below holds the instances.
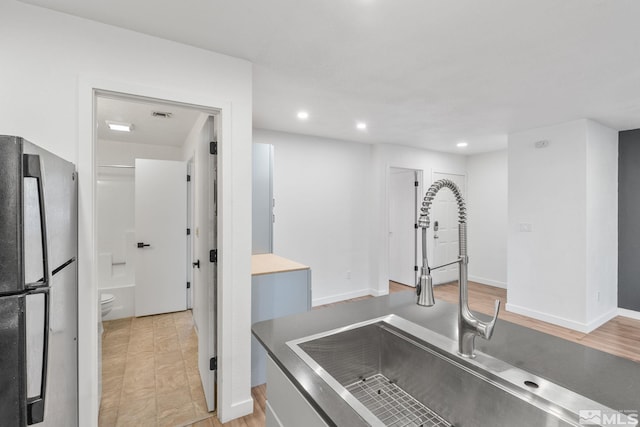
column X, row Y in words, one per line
column 89, row 310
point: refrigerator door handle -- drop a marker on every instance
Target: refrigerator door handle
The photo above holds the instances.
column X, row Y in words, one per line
column 35, row 404
column 31, row 169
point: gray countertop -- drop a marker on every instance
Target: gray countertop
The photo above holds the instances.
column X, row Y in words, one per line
column 602, row 377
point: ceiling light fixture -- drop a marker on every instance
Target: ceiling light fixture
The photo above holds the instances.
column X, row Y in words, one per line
column 461, row 144
column 120, row 127
column 303, row 115
column 361, row 125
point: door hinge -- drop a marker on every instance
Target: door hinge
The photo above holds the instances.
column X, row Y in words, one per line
column 416, row 184
column 213, row 364
column 188, row 178
column 415, row 268
column 213, row 147
column 213, row 255
column 188, row 285
column 415, row 226
column 188, row 231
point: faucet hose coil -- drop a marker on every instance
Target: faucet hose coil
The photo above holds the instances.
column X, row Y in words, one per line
column 424, row 220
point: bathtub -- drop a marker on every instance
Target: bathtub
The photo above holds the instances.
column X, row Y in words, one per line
column 124, row 304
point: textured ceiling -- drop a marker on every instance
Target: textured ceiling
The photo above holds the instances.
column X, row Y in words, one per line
column 147, row 129
column 425, row 73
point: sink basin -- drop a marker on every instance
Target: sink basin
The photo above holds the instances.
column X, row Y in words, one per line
column 393, row 372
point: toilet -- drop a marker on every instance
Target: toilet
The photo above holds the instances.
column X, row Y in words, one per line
column 106, row 303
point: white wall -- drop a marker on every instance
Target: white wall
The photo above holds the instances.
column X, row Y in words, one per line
column 320, row 186
column 383, row 157
column 487, row 218
column 548, row 268
column 51, row 63
column 602, row 222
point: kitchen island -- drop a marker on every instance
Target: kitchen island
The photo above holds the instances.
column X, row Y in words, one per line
column 601, row 377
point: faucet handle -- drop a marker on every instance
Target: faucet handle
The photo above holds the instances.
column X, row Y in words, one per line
column 490, row 325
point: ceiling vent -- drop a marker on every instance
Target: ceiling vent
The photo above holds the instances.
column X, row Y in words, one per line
column 161, row 114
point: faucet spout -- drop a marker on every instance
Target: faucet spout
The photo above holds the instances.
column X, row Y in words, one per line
column 468, row 325
column 424, row 288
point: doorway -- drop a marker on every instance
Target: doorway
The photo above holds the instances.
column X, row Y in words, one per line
column 405, row 188
column 151, row 162
column 443, row 233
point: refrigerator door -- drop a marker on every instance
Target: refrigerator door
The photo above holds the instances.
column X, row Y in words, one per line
column 23, row 242
column 24, row 373
column 13, row 404
column 11, row 276
column 60, row 197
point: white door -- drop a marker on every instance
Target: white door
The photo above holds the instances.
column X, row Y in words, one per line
column 402, row 232
column 204, row 178
column 444, row 240
column 161, row 232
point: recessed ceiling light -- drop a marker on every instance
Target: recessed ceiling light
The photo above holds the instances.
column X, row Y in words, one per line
column 461, row 144
column 361, row 125
column 120, row 127
column 303, row 115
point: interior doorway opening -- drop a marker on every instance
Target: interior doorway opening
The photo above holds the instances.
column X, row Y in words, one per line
column 405, row 189
column 161, row 134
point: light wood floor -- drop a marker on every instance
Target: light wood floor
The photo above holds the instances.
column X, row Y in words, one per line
column 620, row 336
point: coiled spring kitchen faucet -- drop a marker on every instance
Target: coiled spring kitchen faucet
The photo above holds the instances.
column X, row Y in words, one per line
column 468, row 325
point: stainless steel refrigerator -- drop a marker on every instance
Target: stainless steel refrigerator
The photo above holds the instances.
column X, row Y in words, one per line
column 38, row 287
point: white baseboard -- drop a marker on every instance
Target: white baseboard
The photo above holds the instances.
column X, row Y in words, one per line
column 489, row 282
column 562, row 321
column 602, row 319
column 237, row 410
column 377, row 293
column 629, row 313
column 341, row 297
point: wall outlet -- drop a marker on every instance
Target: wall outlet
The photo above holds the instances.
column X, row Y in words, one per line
column 526, row 228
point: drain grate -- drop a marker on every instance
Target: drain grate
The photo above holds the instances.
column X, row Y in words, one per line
column 392, row 405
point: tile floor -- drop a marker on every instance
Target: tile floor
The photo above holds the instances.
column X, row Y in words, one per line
column 150, row 373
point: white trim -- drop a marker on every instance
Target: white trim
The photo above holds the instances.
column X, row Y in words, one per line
column 564, row 322
column 237, row 410
column 229, row 265
column 601, row 320
column 378, row 293
column 490, row 282
column 631, row 314
column 346, row 296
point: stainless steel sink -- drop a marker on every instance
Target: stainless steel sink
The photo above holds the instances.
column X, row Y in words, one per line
column 393, row 372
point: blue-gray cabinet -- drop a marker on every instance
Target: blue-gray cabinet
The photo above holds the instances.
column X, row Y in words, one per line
column 279, row 287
